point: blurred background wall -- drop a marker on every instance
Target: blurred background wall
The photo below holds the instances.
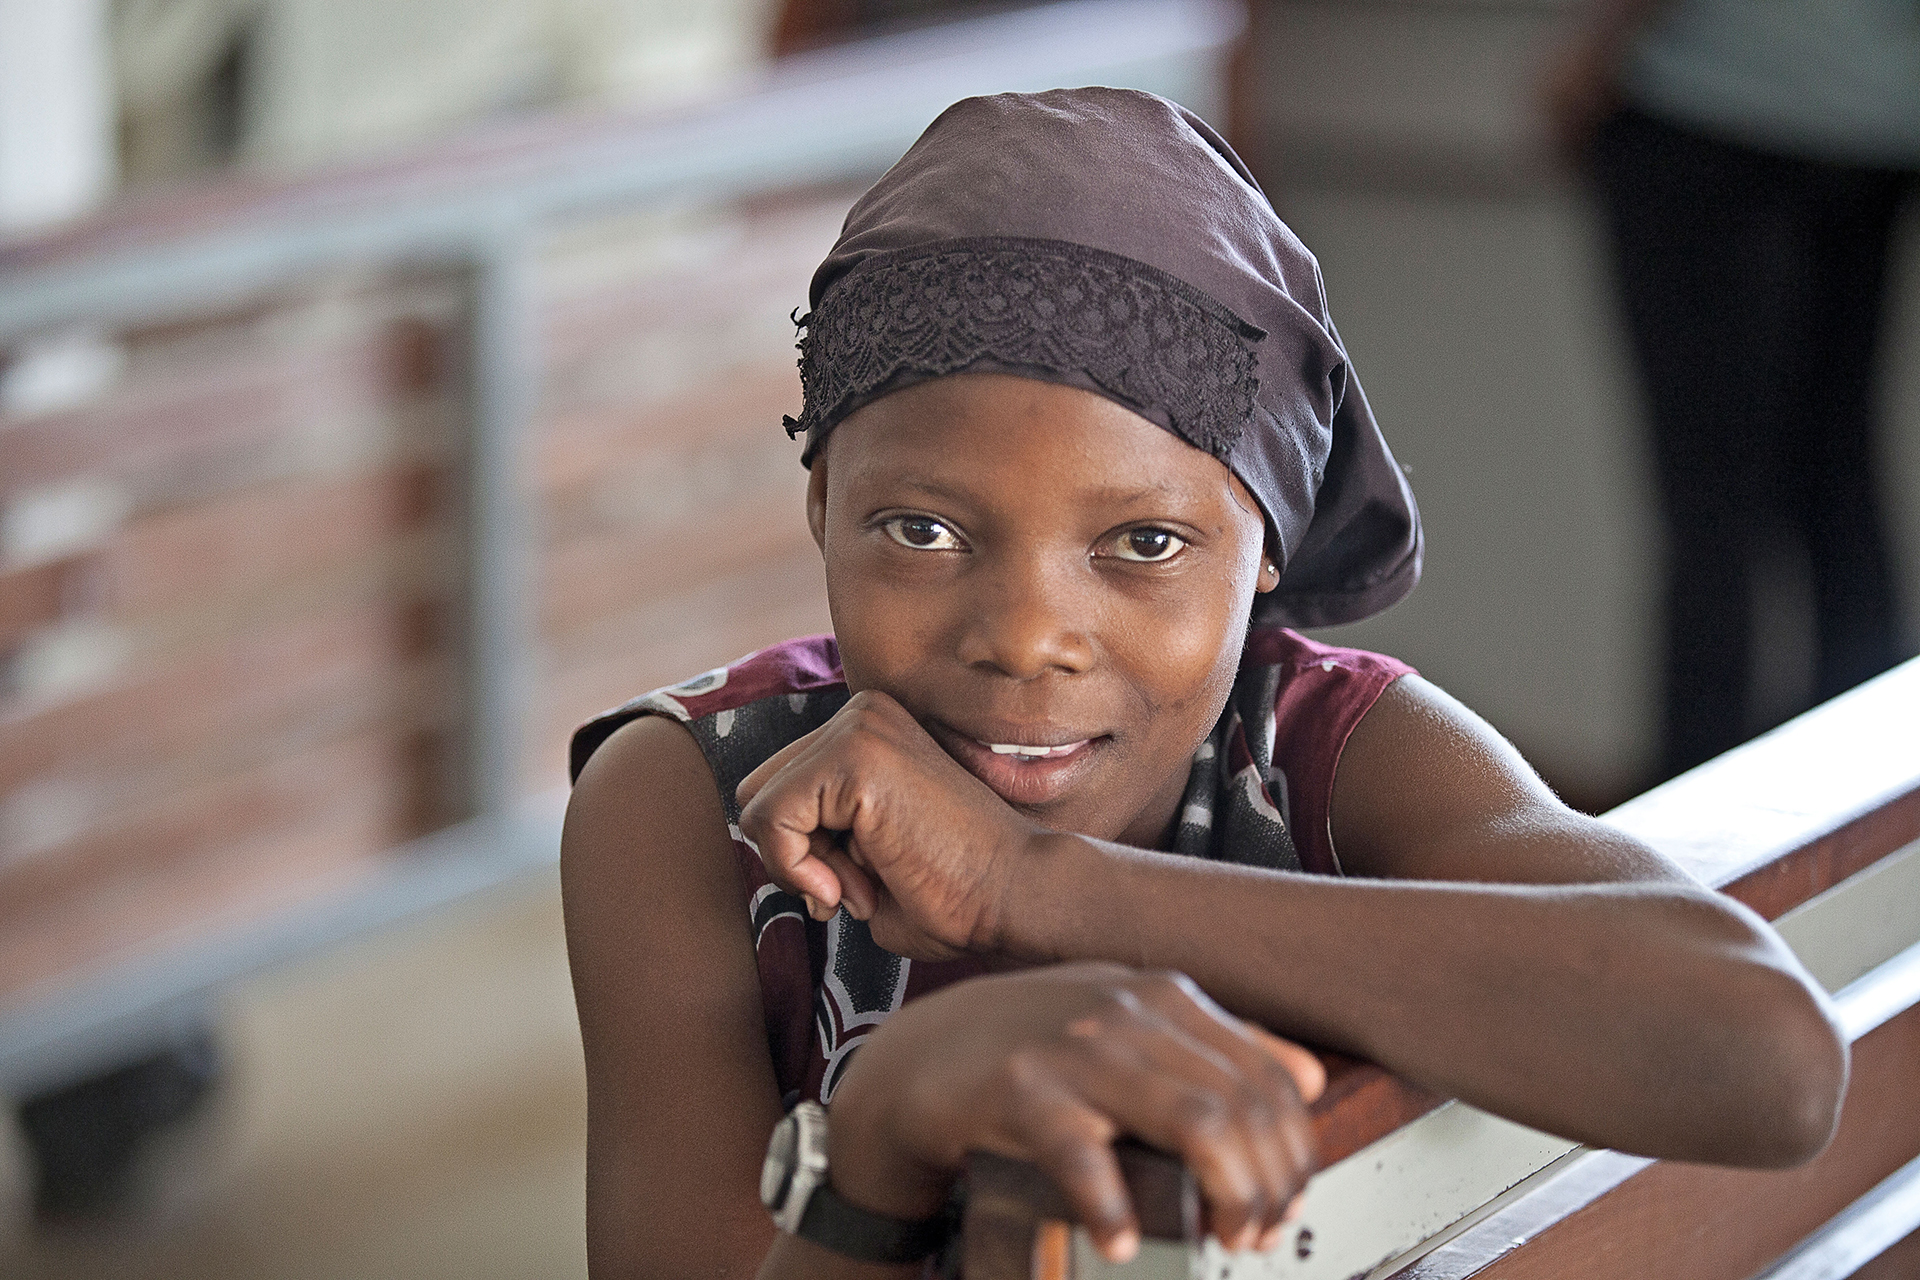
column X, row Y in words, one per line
column 1465, row 267
column 237, row 611
column 234, row 627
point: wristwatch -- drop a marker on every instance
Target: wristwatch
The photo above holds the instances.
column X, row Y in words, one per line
column 794, row 1187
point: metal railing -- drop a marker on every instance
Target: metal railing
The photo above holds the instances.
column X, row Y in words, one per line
column 484, row 206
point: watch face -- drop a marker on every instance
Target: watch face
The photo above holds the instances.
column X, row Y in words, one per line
column 776, row 1175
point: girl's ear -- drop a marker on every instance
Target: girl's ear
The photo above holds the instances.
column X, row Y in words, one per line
column 817, row 500
column 1269, row 574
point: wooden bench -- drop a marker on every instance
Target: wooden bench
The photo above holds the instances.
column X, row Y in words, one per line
column 1817, row 827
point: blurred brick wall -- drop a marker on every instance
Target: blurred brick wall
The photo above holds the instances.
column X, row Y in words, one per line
column 674, row 535
column 227, row 592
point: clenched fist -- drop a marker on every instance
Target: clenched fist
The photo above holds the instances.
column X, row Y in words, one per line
column 869, row 812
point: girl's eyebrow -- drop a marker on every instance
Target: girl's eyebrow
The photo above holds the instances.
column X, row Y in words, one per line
column 1160, row 490
column 934, row 489
column 1112, row 495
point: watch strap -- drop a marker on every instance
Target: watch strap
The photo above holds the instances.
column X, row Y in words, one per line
column 860, row 1233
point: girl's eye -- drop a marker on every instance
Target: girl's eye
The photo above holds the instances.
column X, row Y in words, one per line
column 923, row 533
column 1148, row 545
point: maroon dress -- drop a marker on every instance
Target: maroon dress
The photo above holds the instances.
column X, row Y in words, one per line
column 1260, row 794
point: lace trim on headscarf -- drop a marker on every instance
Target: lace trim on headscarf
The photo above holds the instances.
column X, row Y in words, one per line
column 1146, row 338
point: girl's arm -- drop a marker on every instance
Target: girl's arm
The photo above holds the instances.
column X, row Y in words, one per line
column 1489, row 943
column 680, row 1088
column 1047, row 1065
column 1528, row 959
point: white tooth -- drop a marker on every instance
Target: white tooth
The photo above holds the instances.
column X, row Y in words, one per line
column 1014, row 749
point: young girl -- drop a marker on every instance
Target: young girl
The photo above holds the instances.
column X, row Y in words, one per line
column 1060, row 820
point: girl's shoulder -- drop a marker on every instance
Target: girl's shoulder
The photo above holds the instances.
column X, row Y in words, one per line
column 1321, row 675
column 800, row 677
column 1288, row 649
column 1322, row 692
column 738, row 716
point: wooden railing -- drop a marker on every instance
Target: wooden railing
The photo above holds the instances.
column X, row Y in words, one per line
column 1817, row 827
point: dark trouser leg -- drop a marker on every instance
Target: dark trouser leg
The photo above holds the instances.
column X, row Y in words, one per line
column 1830, row 492
column 1694, row 231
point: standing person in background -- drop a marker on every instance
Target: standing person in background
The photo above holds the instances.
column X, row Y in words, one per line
column 1751, row 157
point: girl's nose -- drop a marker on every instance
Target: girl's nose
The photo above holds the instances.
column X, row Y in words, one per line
column 1024, row 620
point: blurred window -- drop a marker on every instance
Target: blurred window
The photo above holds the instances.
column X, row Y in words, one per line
column 291, row 83
column 806, row 24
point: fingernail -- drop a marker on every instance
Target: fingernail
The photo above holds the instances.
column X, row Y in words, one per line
column 1124, row 1246
column 1270, row 1239
column 813, row 907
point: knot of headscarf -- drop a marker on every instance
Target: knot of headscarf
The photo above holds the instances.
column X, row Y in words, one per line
column 1108, row 239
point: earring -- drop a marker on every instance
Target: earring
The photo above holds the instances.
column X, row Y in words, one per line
column 1269, row 570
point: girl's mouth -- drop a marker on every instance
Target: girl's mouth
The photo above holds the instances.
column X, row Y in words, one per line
column 1024, row 773
column 1035, row 753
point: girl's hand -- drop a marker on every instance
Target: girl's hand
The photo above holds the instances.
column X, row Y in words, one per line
column 869, row 812
column 1051, row 1065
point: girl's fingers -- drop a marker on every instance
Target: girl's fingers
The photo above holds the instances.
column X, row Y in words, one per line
column 1188, row 1098
column 790, row 863
column 857, row 891
column 1308, row 1072
column 1273, row 1078
column 1052, row 1064
column 791, row 854
column 824, row 875
column 1249, row 1044
column 783, row 822
column 1073, row 1144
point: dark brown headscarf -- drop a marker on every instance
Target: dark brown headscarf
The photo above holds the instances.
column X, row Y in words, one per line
column 1110, row 240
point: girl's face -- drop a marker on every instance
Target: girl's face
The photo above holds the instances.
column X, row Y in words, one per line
column 1055, row 588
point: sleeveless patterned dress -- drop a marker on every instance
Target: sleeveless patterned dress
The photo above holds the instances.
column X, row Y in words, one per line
column 1260, row 794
